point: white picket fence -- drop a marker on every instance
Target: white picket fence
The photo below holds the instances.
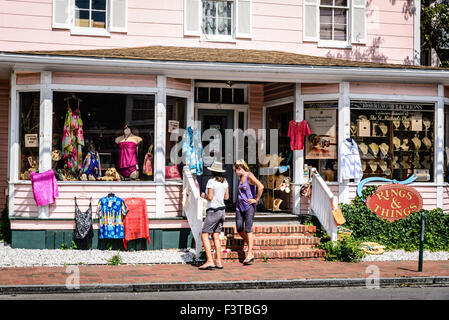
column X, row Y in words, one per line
column 320, row 204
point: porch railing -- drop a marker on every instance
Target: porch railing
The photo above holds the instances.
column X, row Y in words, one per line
column 320, row 204
column 193, row 208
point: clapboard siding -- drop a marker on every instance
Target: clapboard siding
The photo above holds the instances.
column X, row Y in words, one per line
column 255, row 106
column 446, row 199
column 64, row 206
column 398, row 89
column 276, row 25
column 319, row 88
column 273, row 91
column 129, row 80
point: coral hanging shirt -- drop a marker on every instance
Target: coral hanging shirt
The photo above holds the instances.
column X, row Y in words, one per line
column 136, row 221
column 297, row 131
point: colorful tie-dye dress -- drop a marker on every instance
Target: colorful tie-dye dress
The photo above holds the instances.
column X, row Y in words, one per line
column 73, row 140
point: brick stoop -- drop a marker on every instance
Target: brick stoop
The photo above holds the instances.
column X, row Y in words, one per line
column 273, row 242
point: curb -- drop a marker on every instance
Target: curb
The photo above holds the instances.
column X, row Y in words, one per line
column 226, row 285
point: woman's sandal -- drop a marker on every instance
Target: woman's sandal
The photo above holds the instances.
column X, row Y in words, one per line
column 209, row 267
column 250, row 261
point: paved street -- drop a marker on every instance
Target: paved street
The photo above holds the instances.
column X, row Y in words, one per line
column 405, row 293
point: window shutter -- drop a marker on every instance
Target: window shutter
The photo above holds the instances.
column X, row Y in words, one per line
column 311, row 20
column 192, row 17
column 358, row 21
column 62, row 14
column 243, row 19
column 118, row 18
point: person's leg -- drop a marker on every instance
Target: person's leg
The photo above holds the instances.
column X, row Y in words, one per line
column 239, row 225
column 249, row 218
column 207, row 249
column 216, row 237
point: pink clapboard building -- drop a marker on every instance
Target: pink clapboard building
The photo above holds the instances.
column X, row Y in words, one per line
column 350, row 68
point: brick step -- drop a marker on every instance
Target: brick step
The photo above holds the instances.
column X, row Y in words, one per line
column 276, row 254
column 271, row 243
column 274, row 229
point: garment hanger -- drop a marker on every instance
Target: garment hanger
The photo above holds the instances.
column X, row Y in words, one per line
column 73, row 97
column 111, row 194
column 349, row 139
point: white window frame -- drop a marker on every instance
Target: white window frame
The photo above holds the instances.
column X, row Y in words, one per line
column 76, row 30
column 335, row 43
column 217, row 37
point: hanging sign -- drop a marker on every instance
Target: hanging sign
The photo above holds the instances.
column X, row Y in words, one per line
column 394, row 201
column 31, row 140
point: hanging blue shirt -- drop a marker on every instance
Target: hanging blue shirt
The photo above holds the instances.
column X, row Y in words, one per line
column 111, row 211
column 193, row 150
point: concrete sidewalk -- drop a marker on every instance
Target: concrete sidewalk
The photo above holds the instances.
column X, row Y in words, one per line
column 176, row 277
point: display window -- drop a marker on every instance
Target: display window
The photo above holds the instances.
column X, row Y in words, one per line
column 102, row 137
column 277, row 164
column 394, row 140
column 29, row 134
column 321, row 146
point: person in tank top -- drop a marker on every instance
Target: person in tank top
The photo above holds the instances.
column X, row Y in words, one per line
column 246, row 205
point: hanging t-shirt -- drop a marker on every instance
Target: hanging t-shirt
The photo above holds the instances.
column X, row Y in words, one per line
column 297, row 131
column 350, row 163
column 136, row 221
column 110, row 211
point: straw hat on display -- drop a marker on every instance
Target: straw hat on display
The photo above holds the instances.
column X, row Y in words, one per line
column 216, row 167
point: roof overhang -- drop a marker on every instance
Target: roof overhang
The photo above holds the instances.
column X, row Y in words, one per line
column 222, row 70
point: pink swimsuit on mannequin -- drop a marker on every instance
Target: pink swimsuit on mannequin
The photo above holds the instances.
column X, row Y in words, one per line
column 127, row 158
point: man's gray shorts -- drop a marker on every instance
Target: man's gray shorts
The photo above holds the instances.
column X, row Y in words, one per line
column 214, row 221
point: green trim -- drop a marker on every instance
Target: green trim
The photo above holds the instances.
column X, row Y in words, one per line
column 53, row 239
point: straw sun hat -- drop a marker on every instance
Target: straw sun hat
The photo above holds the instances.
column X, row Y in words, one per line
column 217, row 167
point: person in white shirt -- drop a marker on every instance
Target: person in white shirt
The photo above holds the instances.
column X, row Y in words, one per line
column 217, row 189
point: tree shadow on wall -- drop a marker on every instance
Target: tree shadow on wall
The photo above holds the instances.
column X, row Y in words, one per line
column 370, row 53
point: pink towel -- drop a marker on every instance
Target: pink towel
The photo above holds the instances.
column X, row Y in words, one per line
column 45, row 187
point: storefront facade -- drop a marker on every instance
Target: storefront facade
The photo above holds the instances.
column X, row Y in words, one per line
column 238, row 95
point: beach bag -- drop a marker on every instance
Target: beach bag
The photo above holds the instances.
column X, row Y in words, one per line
column 338, row 215
column 172, row 172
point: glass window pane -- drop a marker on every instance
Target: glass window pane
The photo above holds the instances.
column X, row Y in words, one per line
column 98, row 19
column 342, row 3
column 327, row 2
column 340, row 32
column 203, row 95
column 82, row 18
column 215, row 95
column 340, row 16
column 239, row 96
column 93, row 138
column 226, row 95
column 99, row 4
column 29, row 134
column 326, row 32
column 82, row 4
column 325, row 16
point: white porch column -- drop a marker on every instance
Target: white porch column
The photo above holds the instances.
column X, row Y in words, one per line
column 45, row 131
column 13, row 137
column 298, row 155
column 191, row 105
column 344, row 119
column 439, row 145
column 161, row 114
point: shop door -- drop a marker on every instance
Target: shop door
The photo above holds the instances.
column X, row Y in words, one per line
column 220, row 120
